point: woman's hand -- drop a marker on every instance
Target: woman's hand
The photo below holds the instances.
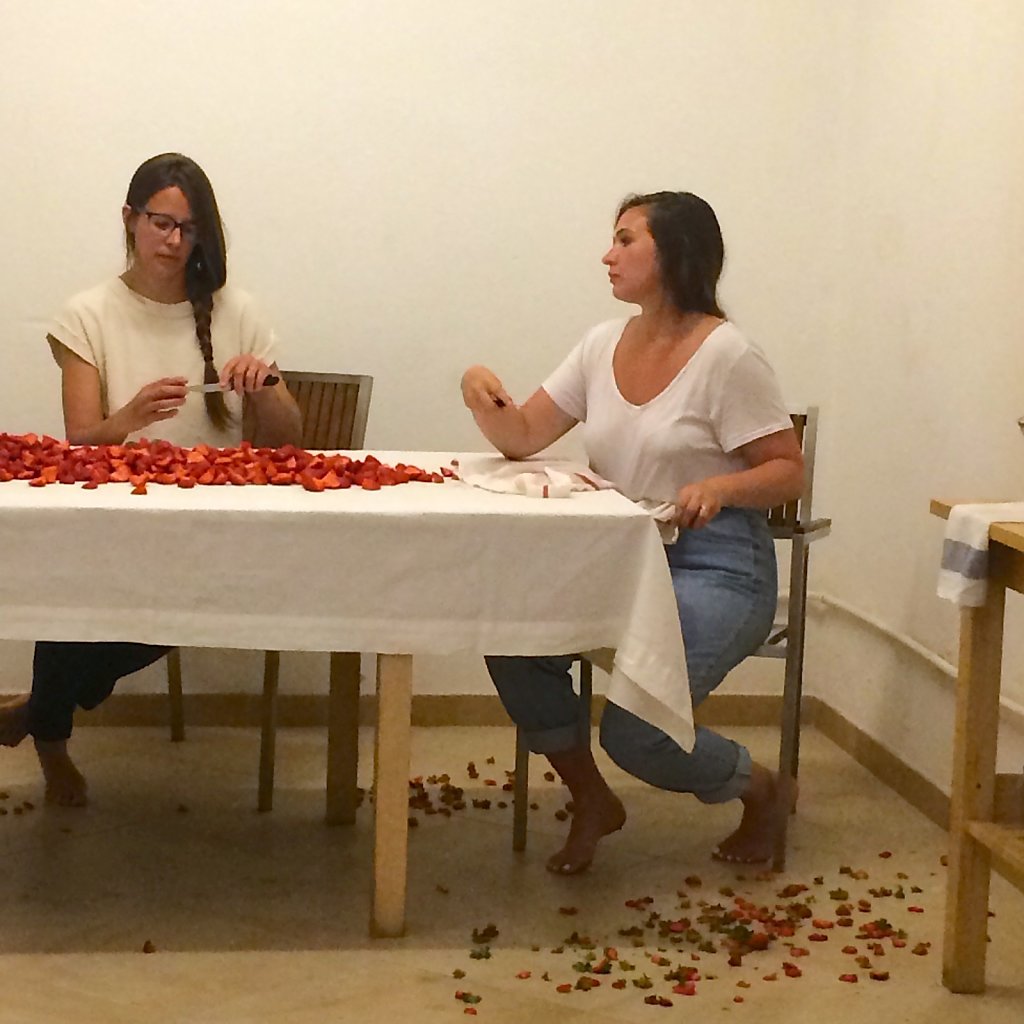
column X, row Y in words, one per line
column 270, row 415
column 81, row 394
column 243, row 374
column 697, row 504
column 517, row 431
column 483, row 392
column 158, row 400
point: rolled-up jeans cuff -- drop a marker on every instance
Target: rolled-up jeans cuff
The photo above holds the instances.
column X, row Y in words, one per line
column 553, row 741
column 736, row 786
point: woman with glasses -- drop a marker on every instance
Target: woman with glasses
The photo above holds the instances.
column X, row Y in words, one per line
column 680, row 408
column 128, row 349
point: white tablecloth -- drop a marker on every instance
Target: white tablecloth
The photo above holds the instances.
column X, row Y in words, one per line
column 417, row 568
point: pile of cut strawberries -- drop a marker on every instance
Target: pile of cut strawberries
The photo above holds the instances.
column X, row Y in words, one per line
column 45, row 460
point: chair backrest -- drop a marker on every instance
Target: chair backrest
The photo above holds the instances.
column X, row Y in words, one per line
column 795, row 513
column 334, row 407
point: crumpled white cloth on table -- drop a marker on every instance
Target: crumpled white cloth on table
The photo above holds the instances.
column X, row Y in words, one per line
column 535, row 478
column 964, row 571
column 551, row 478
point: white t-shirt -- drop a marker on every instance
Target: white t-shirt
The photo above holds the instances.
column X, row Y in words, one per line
column 133, row 341
column 725, row 396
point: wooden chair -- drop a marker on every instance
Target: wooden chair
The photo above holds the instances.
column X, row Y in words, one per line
column 791, row 522
column 334, row 409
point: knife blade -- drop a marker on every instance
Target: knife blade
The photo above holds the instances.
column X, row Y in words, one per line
column 208, row 389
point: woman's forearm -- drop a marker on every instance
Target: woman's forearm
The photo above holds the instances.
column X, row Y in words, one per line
column 277, row 418
column 771, row 483
column 508, row 430
column 112, row 430
column 518, row 431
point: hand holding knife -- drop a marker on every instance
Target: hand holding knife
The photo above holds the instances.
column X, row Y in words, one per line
column 208, row 389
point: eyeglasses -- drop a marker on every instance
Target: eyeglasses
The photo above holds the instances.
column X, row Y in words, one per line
column 164, row 224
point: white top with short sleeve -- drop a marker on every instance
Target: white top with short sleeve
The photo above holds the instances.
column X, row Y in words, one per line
column 134, row 341
column 725, row 396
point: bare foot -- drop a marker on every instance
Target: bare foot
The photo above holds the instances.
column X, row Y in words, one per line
column 754, row 841
column 593, row 819
column 14, row 721
column 65, row 784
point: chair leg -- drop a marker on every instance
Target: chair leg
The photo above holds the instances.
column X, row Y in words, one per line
column 174, row 692
column 343, row 739
column 268, row 730
column 789, row 748
column 520, row 792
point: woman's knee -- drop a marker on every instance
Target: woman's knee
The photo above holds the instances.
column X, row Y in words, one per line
column 503, row 671
column 517, row 671
column 539, row 697
column 710, row 771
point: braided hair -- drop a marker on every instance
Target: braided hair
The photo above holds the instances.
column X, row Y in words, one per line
column 206, row 268
column 690, row 249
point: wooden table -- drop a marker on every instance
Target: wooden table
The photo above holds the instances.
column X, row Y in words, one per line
column 402, row 572
column 986, row 824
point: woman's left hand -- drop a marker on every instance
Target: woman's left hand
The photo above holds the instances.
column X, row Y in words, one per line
column 244, row 374
column 697, row 504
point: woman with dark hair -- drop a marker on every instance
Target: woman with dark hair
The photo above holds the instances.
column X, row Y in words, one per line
column 127, row 350
column 677, row 406
column 128, row 347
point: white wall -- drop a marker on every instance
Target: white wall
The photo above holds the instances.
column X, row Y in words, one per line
column 925, row 349
column 413, row 187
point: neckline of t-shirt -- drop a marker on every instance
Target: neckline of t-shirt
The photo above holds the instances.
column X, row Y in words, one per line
column 166, row 310
column 672, row 383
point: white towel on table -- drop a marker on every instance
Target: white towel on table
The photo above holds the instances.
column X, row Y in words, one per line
column 552, row 478
column 964, row 572
column 540, row 478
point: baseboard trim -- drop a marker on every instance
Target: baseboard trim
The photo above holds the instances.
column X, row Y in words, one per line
column 725, row 709
column 294, row 710
column 308, row 710
column 242, row 710
column 910, row 784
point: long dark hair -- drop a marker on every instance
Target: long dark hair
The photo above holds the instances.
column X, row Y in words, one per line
column 689, row 244
column 207, row 268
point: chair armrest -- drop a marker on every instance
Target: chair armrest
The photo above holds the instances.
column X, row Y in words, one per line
column 814, row 530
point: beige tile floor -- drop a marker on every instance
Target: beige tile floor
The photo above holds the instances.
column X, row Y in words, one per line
column 264, row 917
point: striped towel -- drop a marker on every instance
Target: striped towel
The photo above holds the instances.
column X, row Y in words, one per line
column 964, row 572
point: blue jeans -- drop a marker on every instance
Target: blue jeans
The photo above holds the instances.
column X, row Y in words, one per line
column 726, row 584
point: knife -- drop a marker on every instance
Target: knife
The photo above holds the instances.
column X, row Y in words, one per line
column 208, row 389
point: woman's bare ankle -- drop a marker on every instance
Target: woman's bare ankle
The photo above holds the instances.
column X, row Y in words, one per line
column 754, row 839
column 597, row 811
column 65, row 784
column 592, row 819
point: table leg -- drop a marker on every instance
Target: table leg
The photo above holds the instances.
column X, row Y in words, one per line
column 268, row 730
column 343, row 739
column 974, row 759
column 391, row 782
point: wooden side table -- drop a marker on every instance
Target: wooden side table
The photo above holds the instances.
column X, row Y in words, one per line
column 986, row 825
